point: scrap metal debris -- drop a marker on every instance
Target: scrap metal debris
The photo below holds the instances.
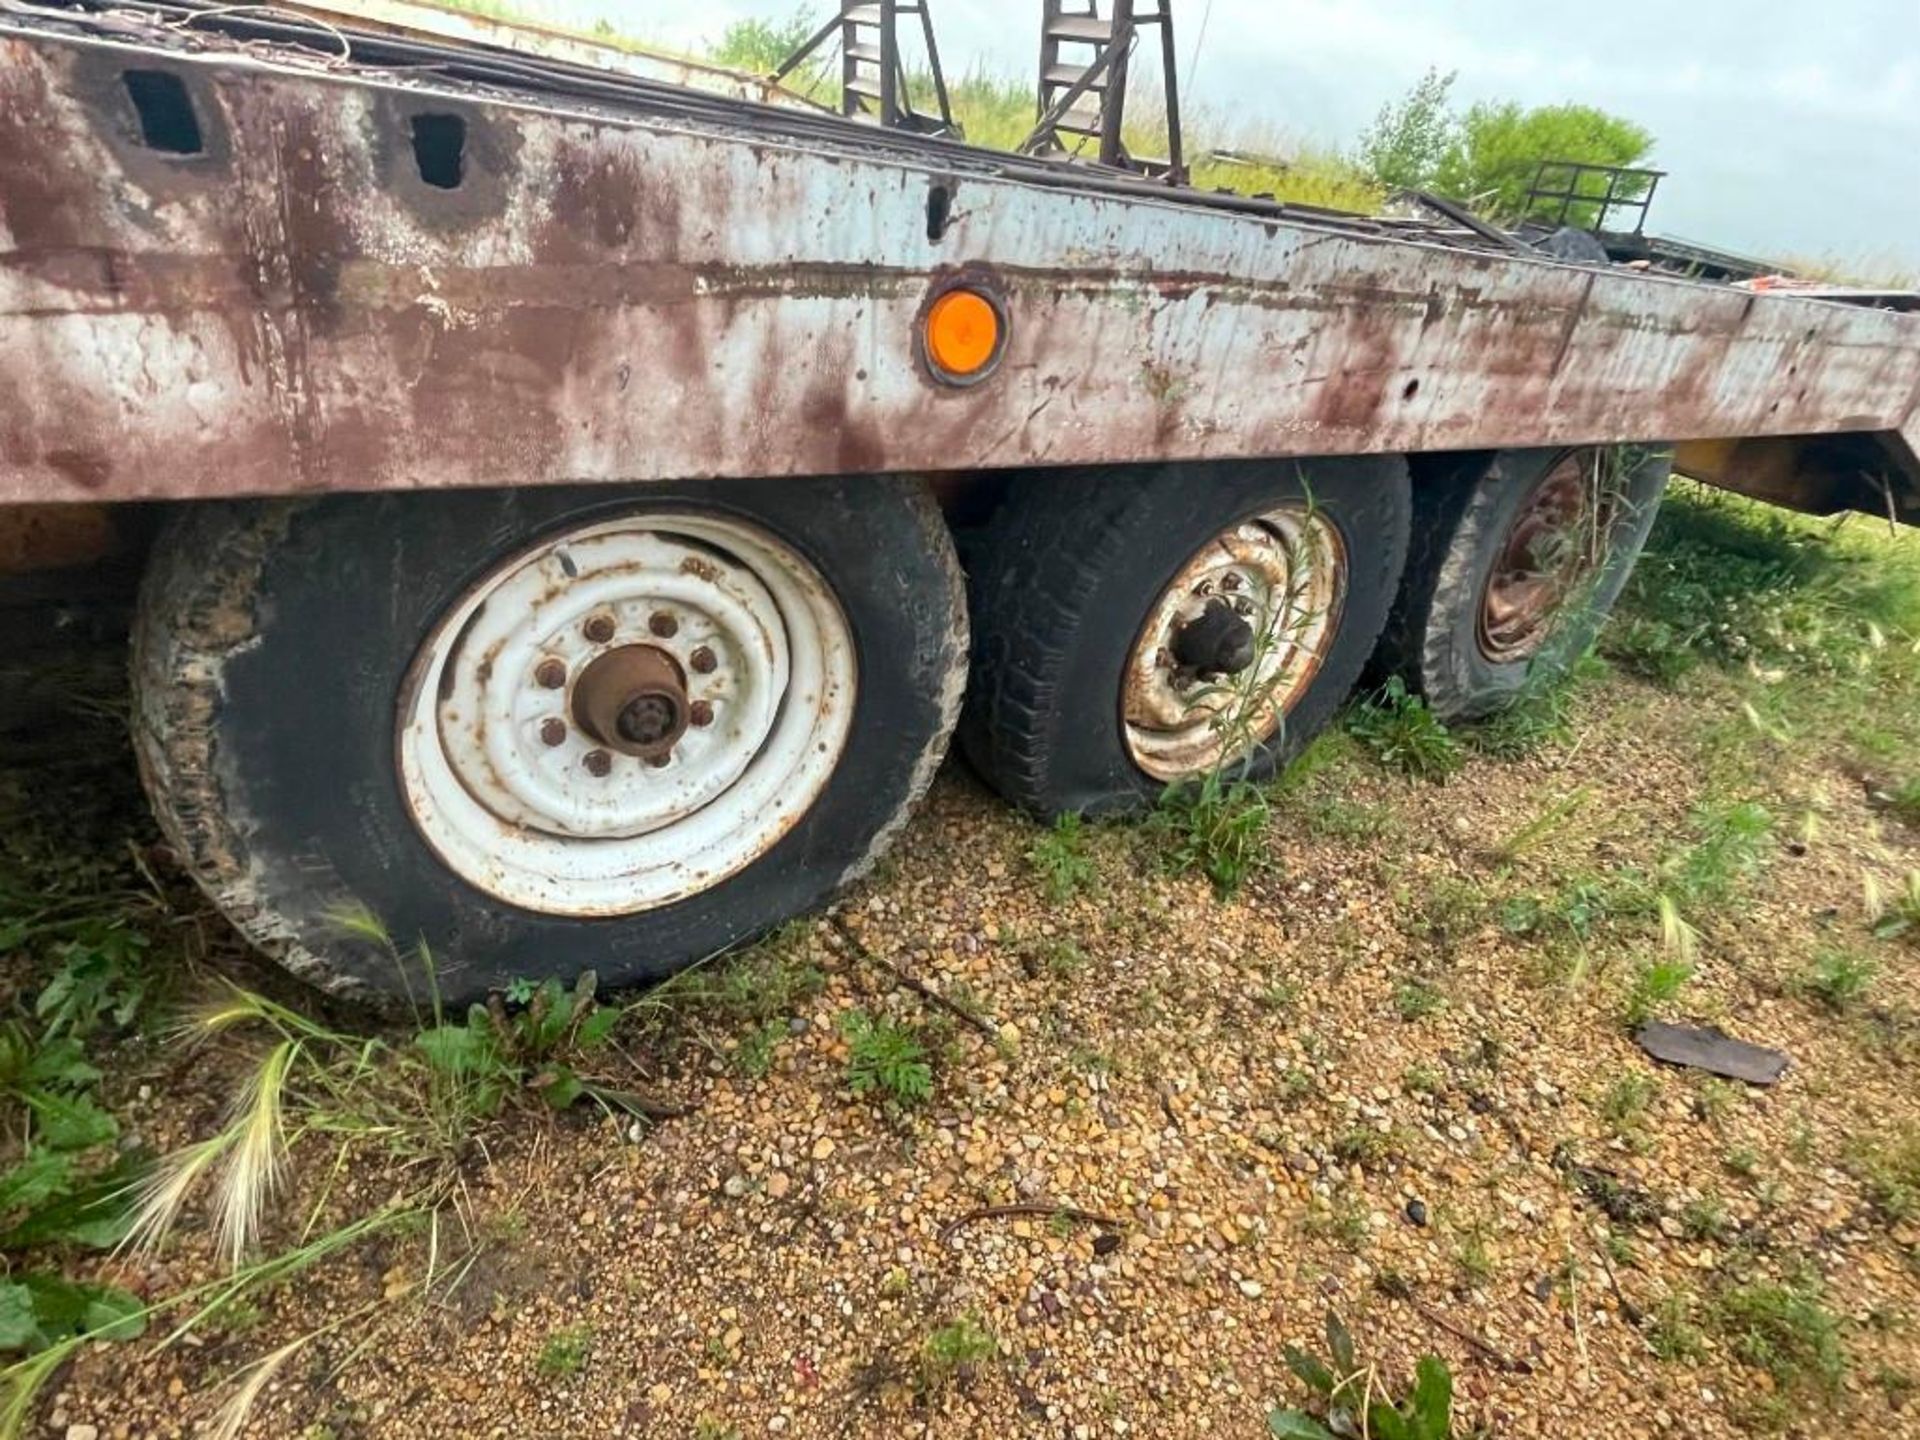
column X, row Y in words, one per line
column 1707, row 1047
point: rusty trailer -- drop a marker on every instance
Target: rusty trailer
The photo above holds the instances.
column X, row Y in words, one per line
column 551, row 562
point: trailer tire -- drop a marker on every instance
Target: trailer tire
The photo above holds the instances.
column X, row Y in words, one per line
column 1070, row 572
column 1472, row 630
column 299, row 666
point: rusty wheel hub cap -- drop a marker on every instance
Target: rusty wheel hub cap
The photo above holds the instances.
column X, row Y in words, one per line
column 627, row 713
column 633, row 699
column 1232, row 642
column 1551, row 548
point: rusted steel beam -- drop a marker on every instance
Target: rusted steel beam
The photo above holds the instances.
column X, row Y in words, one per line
column 608, row 295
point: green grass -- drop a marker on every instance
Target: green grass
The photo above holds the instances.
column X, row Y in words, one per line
column 564, row 1352
column 1415, row 999
column 1903, row 802
column 1838, row 977
column 725, row 1004
column 1335, row 817
column 1307, row 177
column 954, row 1351
column 1214, row 826
column 1543, row 825
column 753, row 1053
column 1362, row 1145
column 1403, row 734
column 1624, row 1102
column 1542, row 716
column 1582, row 905
column 1421, row 1078
column 1667, row 903
column 1786, row 1330
column 1472, row 1258
column 1728, row 581
column 1811, row 623
column 1341, row 1220
column 1671, row 1329
column 1898, row 915
column 1656, row 985
column 1295, row 1086
column 1888, row 1168
column 885, row 1059
column 999, row 111
column 1706, row 1219
column 1733, row 842
column 1059, row 858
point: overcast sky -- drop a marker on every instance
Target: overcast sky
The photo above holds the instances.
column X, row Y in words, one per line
column 1788, row 130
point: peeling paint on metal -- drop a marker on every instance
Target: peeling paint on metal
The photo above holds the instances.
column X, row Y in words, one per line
column 620, row 298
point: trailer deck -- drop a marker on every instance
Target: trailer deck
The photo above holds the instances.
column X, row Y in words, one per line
column 609, row 278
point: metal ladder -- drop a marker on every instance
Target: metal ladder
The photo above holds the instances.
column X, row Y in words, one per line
column 873, row 77
column 1084, row 60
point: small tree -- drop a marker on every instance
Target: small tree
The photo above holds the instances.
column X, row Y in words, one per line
column 1492, row 157
column 1403, row 147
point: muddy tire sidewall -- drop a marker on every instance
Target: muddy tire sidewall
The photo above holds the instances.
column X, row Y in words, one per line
column 1068, row 571
column 272, row 648
column 1466, row 532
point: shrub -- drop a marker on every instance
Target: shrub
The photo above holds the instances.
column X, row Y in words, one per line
column 1495, row 150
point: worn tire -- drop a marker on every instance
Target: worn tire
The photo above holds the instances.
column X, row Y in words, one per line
column 1464, row 508
column 271, row 645
column 1064, row 573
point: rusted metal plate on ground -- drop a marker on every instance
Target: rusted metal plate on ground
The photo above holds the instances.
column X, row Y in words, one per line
column 1711, row 1049
column 610, row 295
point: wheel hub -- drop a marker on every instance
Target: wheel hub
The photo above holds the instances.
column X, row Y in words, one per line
column 1219, row 641
column 627, row 713
column 633, row 699
column 1550, row 550
column 1234, row 639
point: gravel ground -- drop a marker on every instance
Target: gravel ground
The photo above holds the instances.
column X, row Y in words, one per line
column 1349, row 1087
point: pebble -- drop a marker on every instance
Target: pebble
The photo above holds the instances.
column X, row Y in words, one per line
column 1417, row 1212
column 83, row 1432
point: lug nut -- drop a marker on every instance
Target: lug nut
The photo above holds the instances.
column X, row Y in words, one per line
column 659, row 762
column 553, row 730
column 1230, row 580
column 703, row 660
column 700, row 713
column 598, row 762
column 551, row 674
column 662, row 624
column 599, row 629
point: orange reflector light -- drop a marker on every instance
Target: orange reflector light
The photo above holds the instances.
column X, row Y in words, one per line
column 963, row 334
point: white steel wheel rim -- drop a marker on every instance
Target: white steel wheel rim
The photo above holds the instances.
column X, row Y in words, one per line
column 558, row 821
column 1284, row 572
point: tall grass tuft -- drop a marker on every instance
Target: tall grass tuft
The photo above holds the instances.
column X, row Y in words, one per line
column 239, row 1406
column 251, row 1173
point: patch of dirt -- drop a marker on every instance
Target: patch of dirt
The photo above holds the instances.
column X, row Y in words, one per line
column 1235, row 1085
